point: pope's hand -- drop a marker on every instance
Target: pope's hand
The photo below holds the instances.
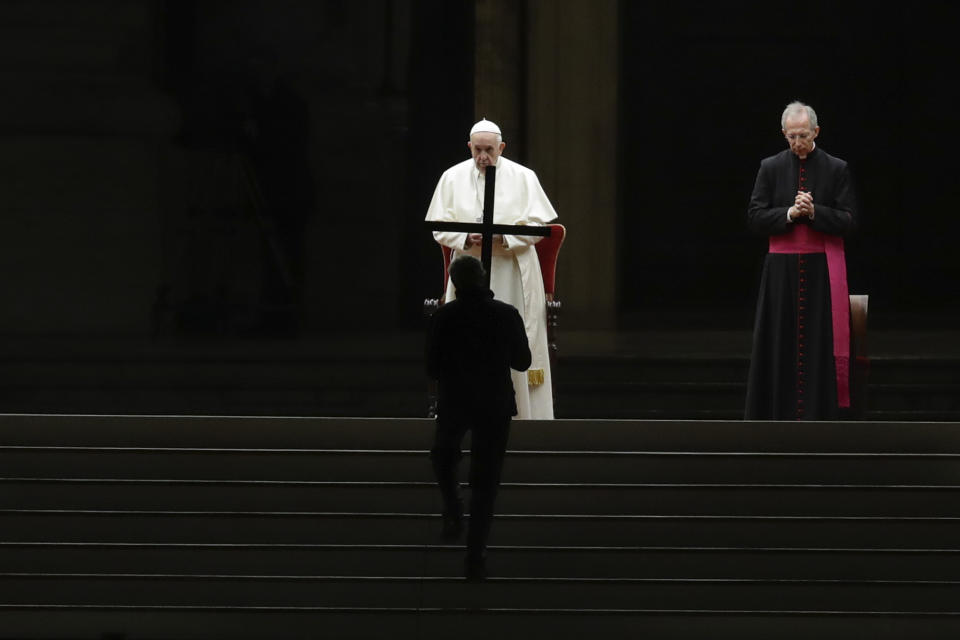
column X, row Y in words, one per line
column 473, row 239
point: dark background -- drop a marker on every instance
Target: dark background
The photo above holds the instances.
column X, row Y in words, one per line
column 703, row 86
column 126, row 215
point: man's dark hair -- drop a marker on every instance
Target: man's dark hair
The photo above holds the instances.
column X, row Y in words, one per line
column 467, row 274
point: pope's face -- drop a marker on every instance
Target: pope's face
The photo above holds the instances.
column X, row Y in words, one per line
column 485, row 149
column 799, row 135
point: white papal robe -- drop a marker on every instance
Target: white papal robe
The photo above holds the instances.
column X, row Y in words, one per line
column 515, row 275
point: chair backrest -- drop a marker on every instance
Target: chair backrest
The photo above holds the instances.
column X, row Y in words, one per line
column 447, row 253
column 547, row 250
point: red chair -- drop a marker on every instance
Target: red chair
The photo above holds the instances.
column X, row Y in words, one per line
column 859, row 359
column 547, row 251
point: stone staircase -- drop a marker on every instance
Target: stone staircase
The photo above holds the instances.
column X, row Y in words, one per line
column 913, row 388
column 381, row 374
column 206, row 527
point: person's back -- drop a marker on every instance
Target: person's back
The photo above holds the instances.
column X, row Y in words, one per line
column 472, row 344
column 475, row 344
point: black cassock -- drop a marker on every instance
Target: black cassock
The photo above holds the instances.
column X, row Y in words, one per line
column 792, row 369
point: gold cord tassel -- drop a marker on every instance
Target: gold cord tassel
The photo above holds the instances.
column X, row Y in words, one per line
column 534, row 377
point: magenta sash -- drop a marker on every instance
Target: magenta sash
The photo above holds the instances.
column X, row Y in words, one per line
column 802, row 239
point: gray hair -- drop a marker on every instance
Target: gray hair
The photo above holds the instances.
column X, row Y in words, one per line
column 797, row 108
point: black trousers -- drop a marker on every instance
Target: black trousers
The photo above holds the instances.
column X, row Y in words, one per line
column 488, row 447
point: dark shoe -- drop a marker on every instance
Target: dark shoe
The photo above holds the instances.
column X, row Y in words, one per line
column 475, row 568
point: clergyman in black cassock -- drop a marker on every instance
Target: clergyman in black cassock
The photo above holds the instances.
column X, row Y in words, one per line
column 804, row 201
column 472, row 344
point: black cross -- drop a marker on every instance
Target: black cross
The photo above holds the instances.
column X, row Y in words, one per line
column 487, row 228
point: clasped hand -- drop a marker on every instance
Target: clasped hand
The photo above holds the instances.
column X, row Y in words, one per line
column 477, row 239
column 802, row 205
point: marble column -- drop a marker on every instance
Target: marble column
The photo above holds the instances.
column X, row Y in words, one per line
column 547, row 72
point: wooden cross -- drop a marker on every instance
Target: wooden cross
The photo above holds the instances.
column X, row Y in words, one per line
column 487, row 228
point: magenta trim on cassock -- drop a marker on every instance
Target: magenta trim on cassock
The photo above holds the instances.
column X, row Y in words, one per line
column 802, row 239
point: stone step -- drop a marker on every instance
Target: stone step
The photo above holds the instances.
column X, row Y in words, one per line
column 220, row 400
column 912, row 370
column 173, row 590
column 529, row 435
column 305, row 521
column 685, row 402
column 301, row 527
column 214, row 372
column 509, row 624
column 533, row 499
column 903, row 397
column 612, row 368
column 516, row 562
column 161, row 365
column 164, row 378
column 413, row 465
column 588, row 412
column 639, row 396
column 914, row 415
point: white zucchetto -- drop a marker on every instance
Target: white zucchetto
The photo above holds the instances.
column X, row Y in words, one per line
column 485, row 126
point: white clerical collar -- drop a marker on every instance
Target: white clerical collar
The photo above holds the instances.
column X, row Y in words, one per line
column 809, row 153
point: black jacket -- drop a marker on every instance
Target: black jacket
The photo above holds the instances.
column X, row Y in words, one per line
column 472, row 344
